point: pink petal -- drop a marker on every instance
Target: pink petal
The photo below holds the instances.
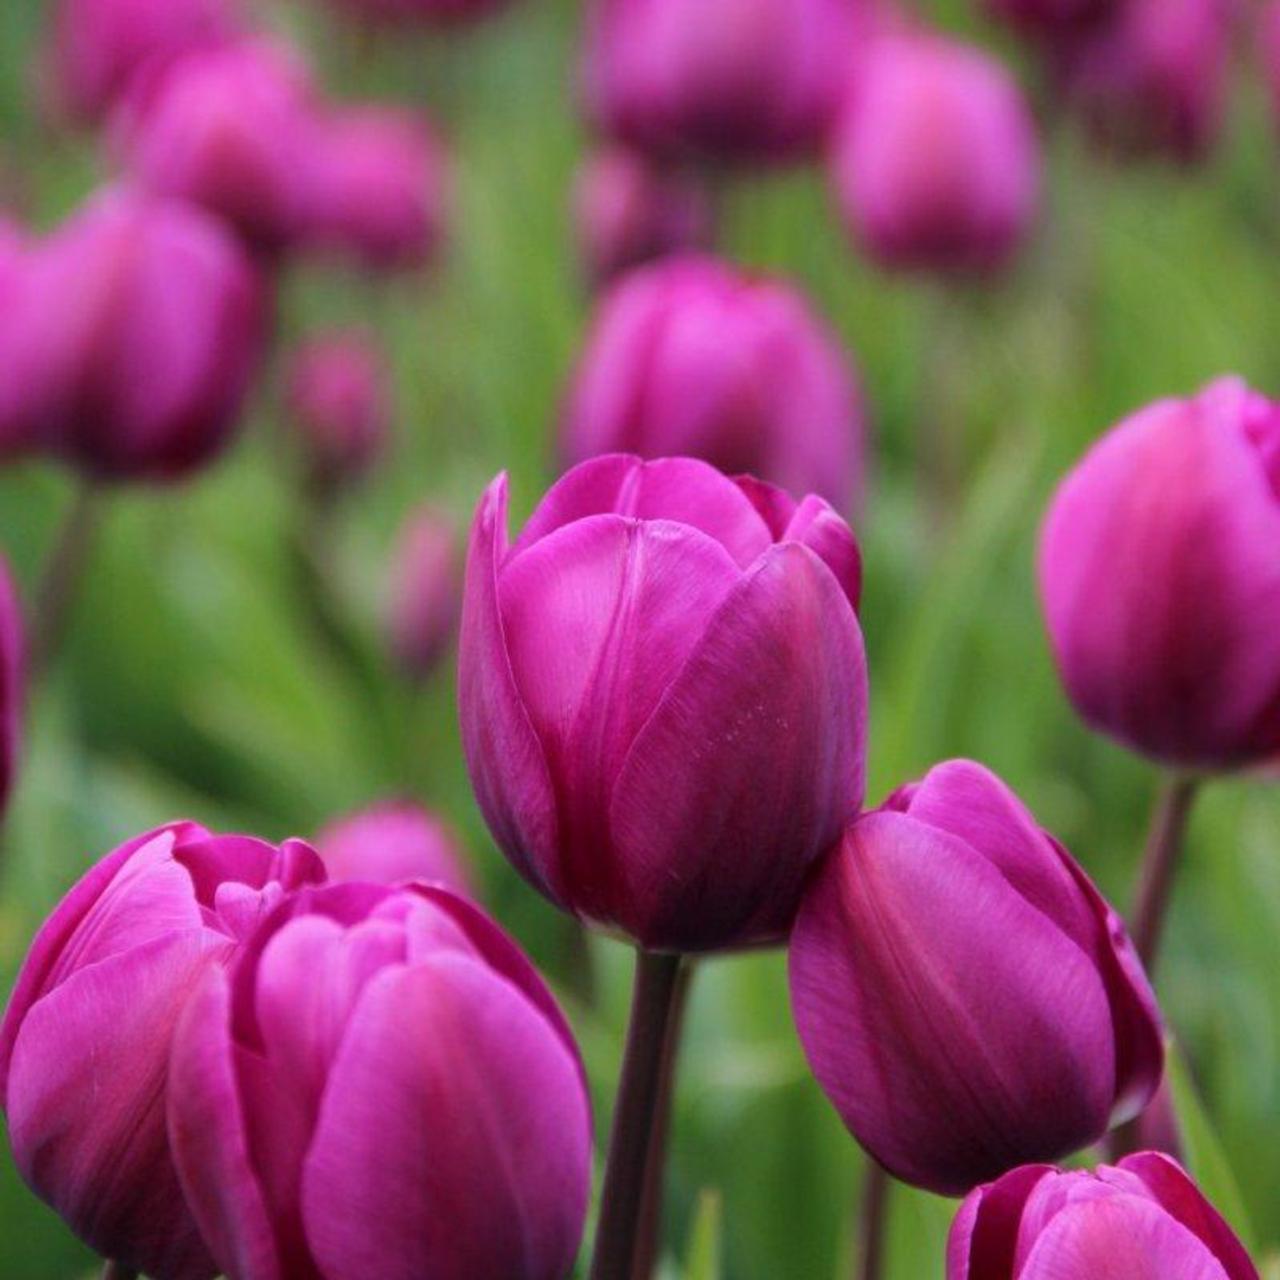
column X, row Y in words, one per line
column 817, row 526
column 985, row 1233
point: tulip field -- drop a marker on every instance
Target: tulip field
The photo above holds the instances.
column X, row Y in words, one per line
column 833, row 784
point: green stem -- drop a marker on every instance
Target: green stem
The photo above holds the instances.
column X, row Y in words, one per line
column 872, row 1217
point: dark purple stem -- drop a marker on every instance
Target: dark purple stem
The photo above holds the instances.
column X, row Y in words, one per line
column 871, row 1222
column 1160, row 864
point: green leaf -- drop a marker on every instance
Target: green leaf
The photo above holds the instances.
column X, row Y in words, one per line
column 703, row 1259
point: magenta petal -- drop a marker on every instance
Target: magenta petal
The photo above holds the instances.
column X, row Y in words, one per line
column 401, row 1183
column 984, row 1235
column 88, row 1127
column 772, row 706
column 817, row 526
column 958, row 1032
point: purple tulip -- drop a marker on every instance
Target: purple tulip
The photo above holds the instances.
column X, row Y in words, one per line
column 22, row 354
column 965, row 997
column 724, row 80
column 663, row 696
column 381, row 188
column 339, row 401
column 235, row 129
column 100, row 46
column 1142, row 1219
column 12, row 682
column 380, row 1085
column 689, row 356
column 629, row 211
column 84, row 1047
column 394, row 842
column 425, row 593
column 1179, row 503
column 935, row 159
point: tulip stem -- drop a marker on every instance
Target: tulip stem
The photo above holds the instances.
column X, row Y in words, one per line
column 118, row 1271
column 653, row 1010
column 872, row 1217
column 60, row 579
column 1160, row 864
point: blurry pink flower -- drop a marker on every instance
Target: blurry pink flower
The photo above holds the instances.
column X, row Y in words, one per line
column 425, row 592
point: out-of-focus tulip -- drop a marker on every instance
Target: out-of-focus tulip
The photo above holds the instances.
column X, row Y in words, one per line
column 691, row 357
column 1154, row 78
column 141, row 329
column 84, row 1048
column 444, row 12
column 1160, row 592
column 340, row 403
column 99, row 46
column 965, row 997
column 380, row 189
column 235, row 129
column 663, row 696
column 425, row 592
column 394, row 842
column 380, row 1085
column 629, row 211
column 12, row 681
column 935, row 160
column 723, row 80
column 1143, row 1219
column 20, row 388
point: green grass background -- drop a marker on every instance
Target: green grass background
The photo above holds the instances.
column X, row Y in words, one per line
column 193, row 684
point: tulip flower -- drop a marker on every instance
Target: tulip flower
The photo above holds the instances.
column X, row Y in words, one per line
column 12, row 680
column 141, row 328
column 965, row 997
column 1180, row 502
column 1142, row 1219
column 689, row 356
column 663, row 696
column 20, row 354
column 394, row 842
column 100, row 46
column 339, row 401
column 628, row 211
column 380, row 192
column 84, row 1047
column 380, row 1085
column 935, row 159
column 234, row 129
column 425, row 593
column 722, row 80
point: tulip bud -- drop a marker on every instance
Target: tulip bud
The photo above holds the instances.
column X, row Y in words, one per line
column 381, row 188
column 100, row 46
column 84, row 1047
column 339, row 400
column 1180, row 503
column 1154, row 78
column 144, row 327
column 233, row 129
column 629, row 211
column 380, row 1085
column 424, row 593
column 965, row 997
column 689, row 356
column 663, row 696
column 12, row 681
column 392, row 843
column 935, row 160
column 1143, row 1219
column 724, row 80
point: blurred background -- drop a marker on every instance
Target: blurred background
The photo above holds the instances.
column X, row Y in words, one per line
column 207, row 674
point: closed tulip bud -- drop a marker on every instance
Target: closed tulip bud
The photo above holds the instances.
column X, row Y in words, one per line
column 425, row 593
column 965, row 997
column 1142, row 1219
column 381, row 192
column 144, row 327
column 663, row 696
column 935, row 159
column 1179, row 503
column 691, row 357
column 12, row 681
column 380, row 1085
column 629, row 211
column 339, row 401
column 722, row 80
column 394, row 842
column 84, row 1047
column 234, row 129
column 100, row 46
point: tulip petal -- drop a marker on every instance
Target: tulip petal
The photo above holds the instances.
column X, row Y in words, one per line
column 758, row 745
column 817, row 526
column 985, row 1232
column 958, row 1032
column 460, row 1155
